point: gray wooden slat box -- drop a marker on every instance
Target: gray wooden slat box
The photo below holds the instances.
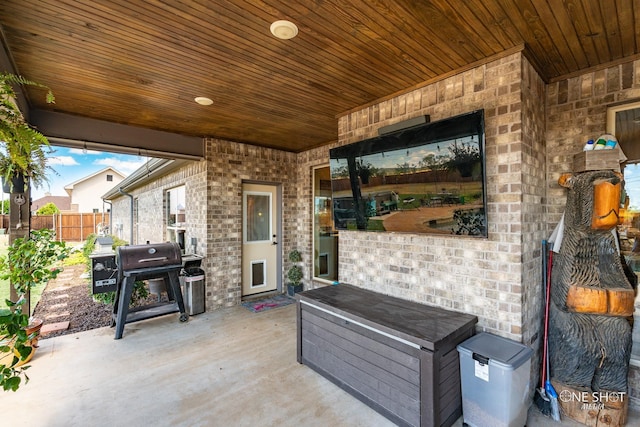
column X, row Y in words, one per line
column 397, row 356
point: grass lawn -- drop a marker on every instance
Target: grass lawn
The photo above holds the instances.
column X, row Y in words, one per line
column 36, row 293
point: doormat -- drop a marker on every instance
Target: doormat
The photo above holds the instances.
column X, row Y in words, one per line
column 258, row 306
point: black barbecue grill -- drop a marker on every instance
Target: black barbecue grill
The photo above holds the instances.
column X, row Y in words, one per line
column 142, row 262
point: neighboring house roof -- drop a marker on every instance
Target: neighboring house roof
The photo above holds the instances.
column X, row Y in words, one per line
column 148, row 172
column 69, row 187
column 62, row 202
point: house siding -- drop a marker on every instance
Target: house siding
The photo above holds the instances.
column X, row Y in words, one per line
column 150, row 211
column 85, row 194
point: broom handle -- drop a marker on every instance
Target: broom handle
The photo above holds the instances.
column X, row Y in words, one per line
column 546, row 314
column 544, row 336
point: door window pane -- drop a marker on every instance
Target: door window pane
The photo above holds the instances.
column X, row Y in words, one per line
column 258, row 217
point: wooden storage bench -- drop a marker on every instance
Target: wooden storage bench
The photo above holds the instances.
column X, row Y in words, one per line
column 397, row 356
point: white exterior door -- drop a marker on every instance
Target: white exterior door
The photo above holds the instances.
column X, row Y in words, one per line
column 259, row 239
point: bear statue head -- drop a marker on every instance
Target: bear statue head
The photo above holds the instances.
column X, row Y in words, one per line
column 594, row 198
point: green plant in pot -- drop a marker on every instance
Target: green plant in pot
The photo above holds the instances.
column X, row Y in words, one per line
column 294, row 274
column 23, row 151
column 29, row 262
column 465, row 158
column 15, row 348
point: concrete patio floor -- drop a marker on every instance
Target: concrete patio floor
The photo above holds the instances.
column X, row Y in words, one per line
column 231, row 367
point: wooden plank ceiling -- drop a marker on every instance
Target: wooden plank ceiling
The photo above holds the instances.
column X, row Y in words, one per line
column 142, row 63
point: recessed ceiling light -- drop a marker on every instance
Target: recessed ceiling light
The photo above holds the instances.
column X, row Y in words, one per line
column 284, row 29
column 203, row 100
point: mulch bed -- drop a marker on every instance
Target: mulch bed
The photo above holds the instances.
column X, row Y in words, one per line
column 69, row 298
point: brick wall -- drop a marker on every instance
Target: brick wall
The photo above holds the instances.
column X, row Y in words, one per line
column 499, row 279
column 532, row 210
column 214, row 210
column 577, row 112
column 486, row 277
column 228, row 165
column 150, row 209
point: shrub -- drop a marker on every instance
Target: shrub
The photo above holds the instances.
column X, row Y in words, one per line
column 75, row 259
column 48, row 209
column 140, row 291
column 295, row 272
column 469, row 222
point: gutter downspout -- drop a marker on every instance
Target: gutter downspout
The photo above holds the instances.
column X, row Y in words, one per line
column 121, row 191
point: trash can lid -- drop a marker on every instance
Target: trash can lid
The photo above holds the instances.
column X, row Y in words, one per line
column 191, row 279
column 192, row 271
column 500, row 351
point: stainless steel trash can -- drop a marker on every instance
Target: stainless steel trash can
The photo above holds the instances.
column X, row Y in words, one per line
column 192, row 281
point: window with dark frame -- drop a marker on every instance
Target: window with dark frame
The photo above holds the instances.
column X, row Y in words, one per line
column 175, row 205
column 325, row 235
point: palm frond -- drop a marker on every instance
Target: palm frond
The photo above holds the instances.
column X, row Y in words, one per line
column 23, row 147
column 17, row 79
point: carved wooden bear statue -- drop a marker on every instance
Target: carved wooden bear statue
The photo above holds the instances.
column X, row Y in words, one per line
column 591, row 297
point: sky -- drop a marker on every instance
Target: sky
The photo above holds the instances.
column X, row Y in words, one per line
column 73, row 164
column 413, row 156
column 632, row 185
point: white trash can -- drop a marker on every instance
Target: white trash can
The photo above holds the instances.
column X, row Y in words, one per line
column 494, row 375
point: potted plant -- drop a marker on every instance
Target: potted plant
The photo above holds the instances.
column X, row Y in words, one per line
column 365, row 170
column 29, row 262
column 294, row 274
column 15, row 350
column 22, row 158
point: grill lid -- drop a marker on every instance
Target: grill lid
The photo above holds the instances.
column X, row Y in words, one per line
column 136, row 257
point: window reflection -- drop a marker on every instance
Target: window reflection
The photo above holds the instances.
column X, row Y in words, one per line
column 623, row 121
column 629, row 231
column 176, row 202
column 325, row 236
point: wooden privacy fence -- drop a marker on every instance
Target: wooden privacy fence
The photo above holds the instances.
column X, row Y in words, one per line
column 69, row 227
